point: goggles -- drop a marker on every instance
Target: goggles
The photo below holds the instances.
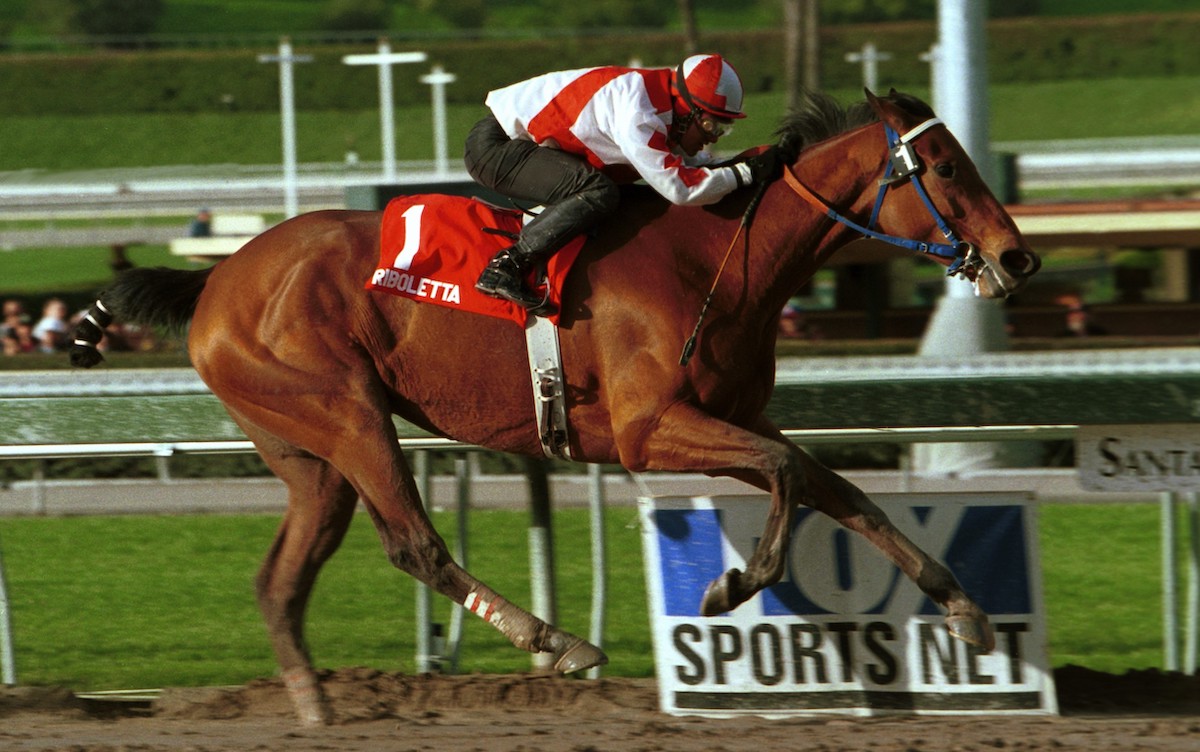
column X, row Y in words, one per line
column 714, row 127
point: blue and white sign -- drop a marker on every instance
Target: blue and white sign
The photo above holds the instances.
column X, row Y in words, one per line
column 845, row 631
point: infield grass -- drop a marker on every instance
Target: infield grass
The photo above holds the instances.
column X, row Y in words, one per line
column 133, row 602
column 1029, row 111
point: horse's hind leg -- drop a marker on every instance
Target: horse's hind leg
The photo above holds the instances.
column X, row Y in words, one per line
column 320, row 507
column 361, row 444
column 414, row 546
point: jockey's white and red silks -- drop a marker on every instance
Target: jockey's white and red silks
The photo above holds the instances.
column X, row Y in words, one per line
column 618, row 119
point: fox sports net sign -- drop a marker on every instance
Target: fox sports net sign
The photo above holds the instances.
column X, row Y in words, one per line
column 845, row 631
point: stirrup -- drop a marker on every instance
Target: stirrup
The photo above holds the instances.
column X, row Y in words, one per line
column 519, row 295
column 502, row 278
column 545, row 308
column 503, row 268
column 498, row 285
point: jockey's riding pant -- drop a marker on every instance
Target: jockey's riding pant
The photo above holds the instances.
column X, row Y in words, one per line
column 576, row 195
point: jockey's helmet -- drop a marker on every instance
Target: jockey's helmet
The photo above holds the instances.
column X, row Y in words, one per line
column 709, row 84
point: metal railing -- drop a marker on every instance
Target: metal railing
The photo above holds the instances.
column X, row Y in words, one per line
column 1049, row 395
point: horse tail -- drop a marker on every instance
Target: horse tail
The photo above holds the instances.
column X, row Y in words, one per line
column 151, row 296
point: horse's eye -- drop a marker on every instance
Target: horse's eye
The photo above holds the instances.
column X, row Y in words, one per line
column 944, row 170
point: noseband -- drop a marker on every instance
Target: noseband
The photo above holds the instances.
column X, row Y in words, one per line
column 903, row 163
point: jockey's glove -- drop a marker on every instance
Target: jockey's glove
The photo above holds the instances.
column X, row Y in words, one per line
column 764, row 166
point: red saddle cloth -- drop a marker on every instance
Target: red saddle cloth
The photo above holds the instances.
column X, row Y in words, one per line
column 433, row 247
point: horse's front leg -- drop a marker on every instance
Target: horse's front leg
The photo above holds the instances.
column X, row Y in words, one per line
column 688, row 440
column 843, row 501
column 766, row 563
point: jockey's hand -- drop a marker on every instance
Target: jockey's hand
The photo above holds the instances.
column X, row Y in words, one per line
column 763, row 166
column 766, row 165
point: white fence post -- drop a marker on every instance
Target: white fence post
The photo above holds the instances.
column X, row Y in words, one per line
column 8, row 669
column 287, row 112
column 599, row 561
column 426, row 661
column 1192, row 637
column 1170, row 579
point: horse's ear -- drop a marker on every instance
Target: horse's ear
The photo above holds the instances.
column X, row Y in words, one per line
column 886, row 109
column 876, row 103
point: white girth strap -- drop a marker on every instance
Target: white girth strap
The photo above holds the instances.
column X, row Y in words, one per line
column 545, row 367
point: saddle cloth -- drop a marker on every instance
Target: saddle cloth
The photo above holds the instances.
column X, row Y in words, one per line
column 433, row 247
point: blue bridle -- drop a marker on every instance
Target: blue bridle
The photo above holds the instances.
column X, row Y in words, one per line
column 903, row 163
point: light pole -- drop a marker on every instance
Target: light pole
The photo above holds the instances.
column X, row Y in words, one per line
column 287, row 111
column 385, row 59
column 870, row 57
column 437, row 79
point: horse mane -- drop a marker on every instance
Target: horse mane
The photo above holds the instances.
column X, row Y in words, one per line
column 819, row 117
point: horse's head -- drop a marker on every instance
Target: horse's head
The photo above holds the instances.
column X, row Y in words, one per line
column 931, row 191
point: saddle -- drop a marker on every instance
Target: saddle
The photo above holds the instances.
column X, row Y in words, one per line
column 434, row 246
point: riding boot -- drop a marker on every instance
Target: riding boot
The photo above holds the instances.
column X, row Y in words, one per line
column 504, row 276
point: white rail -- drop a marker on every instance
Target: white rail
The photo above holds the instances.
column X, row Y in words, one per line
column 1180, row 362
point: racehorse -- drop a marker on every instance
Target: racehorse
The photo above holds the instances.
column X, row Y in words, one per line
column 312, row 367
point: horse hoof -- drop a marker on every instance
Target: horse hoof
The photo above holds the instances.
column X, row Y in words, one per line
column 308, row 699
column 578, row 656
column 314, row 715
column 973, row 630
column 717, row 598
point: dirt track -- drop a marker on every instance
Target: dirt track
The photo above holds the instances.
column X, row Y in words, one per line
column 378, row 712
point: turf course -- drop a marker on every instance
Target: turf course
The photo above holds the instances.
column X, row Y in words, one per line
column 128, row 602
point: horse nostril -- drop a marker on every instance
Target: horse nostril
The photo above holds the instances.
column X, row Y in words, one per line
column 1020, row 263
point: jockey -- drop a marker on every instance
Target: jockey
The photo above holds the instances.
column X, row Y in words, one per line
column 566, row 139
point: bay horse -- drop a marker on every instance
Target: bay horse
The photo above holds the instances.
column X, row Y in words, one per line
column 312, row 367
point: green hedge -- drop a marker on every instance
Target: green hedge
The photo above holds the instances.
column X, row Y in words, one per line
column 205, row 81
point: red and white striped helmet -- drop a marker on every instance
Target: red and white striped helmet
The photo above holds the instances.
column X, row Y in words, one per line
column 708, row 83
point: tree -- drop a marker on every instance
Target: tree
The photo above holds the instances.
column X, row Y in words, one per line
column 114, row 17
column 355, row 15
column 687, row 14
column 460, row 14
column 802, row 50
column 600, row 14
column 867, row 11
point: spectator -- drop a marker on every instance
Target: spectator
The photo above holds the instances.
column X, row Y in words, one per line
column 15, row 330
column 794, row 325
column 790, row 322
column 1079, row 321
column 201, row 226
column 53, row 330
column 14, row 312
column 18, row 340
